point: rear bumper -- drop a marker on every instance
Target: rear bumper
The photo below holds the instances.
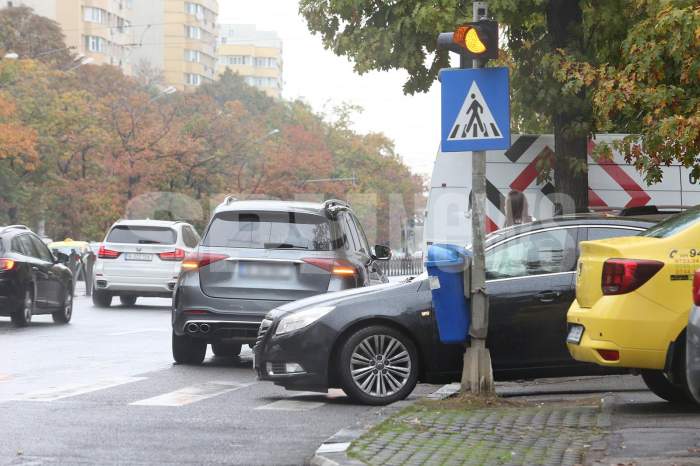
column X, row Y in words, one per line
column 605, row 329
column 10, row 296
column 163, row 286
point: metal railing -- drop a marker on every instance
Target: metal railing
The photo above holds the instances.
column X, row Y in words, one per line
column 402, row 266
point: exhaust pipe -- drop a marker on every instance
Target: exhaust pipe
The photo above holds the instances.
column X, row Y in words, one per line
column 204, row 328
column 192, row 328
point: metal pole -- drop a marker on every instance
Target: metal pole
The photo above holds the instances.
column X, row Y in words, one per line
column 477, row 375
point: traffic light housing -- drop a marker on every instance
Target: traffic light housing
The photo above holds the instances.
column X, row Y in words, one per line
column 478, row 40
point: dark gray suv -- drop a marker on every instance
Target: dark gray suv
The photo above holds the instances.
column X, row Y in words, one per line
column 258, row 255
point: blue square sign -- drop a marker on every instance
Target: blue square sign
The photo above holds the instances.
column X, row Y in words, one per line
column 475, row 109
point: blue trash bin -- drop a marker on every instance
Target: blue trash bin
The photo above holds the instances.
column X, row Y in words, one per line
column 445, row 264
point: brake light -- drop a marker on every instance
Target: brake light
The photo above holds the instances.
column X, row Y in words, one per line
column 176, row 255
column 197, row 261
column 621, row 276
column 6, row 265
column 104, row 253
column 696, row 288
column 334, row 266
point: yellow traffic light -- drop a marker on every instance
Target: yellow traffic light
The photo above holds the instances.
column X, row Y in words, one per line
column 473, row 42
column 476, row 40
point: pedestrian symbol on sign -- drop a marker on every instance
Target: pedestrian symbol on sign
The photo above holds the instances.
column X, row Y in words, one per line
column 474, row 121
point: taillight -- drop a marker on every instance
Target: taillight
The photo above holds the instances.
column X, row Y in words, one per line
column 609, row 355
column 6, row 265
column 696, row 288
column 621, row 276
column 104, row 253
column 334, row 266
column 197, row 261
column 176, row 255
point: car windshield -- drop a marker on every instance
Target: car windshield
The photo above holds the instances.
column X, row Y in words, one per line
column 674, row 224
column 130, row 234
column 269, row 230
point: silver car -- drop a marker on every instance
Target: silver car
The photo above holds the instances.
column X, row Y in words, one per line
column 141, row 258
column 258, row 255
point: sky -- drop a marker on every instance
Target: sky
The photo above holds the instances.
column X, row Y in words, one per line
column 325, row 80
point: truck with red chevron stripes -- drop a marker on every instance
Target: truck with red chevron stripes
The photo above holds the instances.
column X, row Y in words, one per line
column 613, row 184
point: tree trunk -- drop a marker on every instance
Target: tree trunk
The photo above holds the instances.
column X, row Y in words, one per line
column 571, row 125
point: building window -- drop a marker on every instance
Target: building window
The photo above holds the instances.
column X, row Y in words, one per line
column 94, row 15
column 193, row 56
column 193, row 79
column 95, row 44
column 265, row 62
column 236, row 60
column 194, row 9
column 193, row 32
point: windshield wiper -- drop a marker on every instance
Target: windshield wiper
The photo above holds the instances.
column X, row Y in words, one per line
column 283, row 246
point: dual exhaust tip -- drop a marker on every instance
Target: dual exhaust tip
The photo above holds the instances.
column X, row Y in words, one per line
column 193, row 328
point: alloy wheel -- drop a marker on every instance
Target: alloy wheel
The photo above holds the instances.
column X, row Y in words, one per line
column 28, row 306
column 68, row 306
column 380, row 365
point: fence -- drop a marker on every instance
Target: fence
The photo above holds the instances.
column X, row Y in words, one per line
column 402, row 266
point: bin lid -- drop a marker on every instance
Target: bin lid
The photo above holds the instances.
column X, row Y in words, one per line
column 446, row 254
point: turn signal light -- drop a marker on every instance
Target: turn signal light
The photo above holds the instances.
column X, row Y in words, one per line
column 104, row 253
column 622, row 276
column 197, row 261
column 176, row 255
column 6, row 265
column 609, row 355
column 334, row 266
column 696, row 288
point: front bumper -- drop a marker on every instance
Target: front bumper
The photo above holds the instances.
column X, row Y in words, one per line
column 601, row 335
column 307, row 351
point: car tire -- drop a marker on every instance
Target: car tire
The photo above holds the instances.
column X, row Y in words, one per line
column 188, row 350
column 226, row 349
column 66, row 313
column 128, row 301
column 23, row 313
column 658, row 382
column 363, row 375
column 101, row 298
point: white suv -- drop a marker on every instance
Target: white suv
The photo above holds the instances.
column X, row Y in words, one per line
column 141, row 258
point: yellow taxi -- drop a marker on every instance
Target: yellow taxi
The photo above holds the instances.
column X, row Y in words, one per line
column 68, row 245
column 633, row 296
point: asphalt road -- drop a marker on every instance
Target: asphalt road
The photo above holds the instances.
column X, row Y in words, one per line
column 104, row 390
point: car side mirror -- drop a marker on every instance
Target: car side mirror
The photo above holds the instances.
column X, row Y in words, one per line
column 381, row 253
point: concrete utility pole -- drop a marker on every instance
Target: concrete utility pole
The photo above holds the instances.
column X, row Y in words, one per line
column 477, row 374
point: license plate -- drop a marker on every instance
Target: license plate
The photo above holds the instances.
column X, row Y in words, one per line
column 575, row 334
column 263, row 271
column 134, row 256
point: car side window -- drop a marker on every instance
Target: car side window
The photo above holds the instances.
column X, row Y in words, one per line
column 17, row 246
column 350, row 235
column 539, row 253
column 603, row 233
column 364, row 244
column 188, row 237
column 27, row 246
column 42, row 249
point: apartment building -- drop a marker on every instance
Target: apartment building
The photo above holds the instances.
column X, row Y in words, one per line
column 255, row 55
column 99, row 29
column 179, row 38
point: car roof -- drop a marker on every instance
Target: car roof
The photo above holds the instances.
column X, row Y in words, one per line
column 573, row 220
column 272, row 206
column 61, row 244
column 147, row 222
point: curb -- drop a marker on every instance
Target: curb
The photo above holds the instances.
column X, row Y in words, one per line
column 333, row 452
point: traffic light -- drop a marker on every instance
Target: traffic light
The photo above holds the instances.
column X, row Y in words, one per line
column 474, row 40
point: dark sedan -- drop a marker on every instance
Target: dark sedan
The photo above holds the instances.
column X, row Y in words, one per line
column 377, row 343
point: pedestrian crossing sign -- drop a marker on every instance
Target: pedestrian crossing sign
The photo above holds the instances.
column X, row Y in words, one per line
column 475, row 109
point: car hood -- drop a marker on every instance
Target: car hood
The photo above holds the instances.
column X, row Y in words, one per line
column 351, row 297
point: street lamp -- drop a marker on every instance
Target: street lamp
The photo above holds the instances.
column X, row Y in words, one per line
column 11, row 56
column 83, row 60
column 167, row 91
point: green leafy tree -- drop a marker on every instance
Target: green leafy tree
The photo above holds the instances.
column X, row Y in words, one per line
column 32, row 36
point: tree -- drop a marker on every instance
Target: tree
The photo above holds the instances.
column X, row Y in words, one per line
column 652, row 91
column 32, row 36
column 540, row 34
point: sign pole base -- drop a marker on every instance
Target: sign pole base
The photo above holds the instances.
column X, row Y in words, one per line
column 477, row 375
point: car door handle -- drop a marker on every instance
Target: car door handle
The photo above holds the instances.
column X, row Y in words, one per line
column 35, row 268
column 548, row 296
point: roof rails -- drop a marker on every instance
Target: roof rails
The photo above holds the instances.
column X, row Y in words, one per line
column 335, row 203
column 642, row 210
column 13, row 227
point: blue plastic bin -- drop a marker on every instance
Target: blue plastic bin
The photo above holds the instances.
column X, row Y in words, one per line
column 445, row 264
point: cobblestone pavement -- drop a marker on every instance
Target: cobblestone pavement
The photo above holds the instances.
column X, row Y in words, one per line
column 435, row 433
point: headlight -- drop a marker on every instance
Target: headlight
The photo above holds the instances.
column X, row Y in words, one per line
column 302, row 319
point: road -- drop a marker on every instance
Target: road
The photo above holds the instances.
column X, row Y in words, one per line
column 104, row 390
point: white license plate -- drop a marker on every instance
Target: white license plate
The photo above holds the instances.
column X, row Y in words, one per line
column 575, row 334
column 134, row 256
column 248, row 270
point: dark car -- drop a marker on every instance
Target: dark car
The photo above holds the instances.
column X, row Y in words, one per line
column 32, row 280
column 377, row 343
column 258, row 255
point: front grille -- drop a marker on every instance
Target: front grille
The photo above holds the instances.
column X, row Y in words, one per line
column 262, row 331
